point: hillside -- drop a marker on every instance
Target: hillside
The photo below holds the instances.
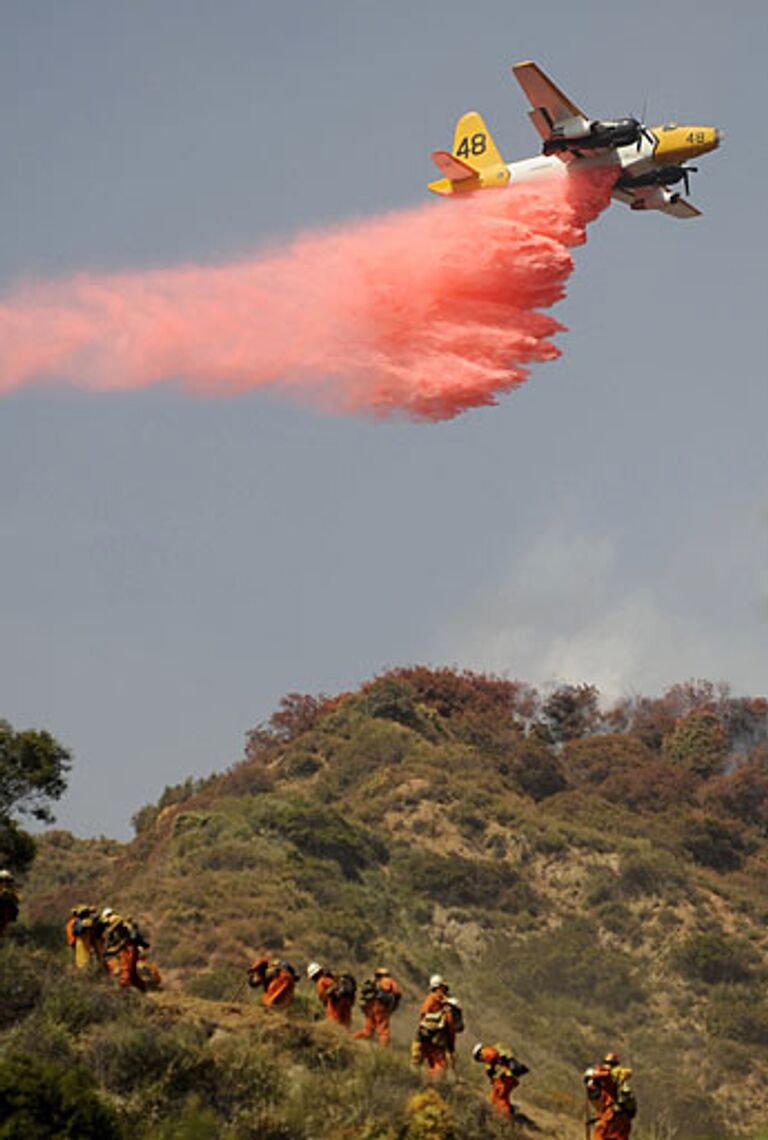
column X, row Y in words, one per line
column 586, row 878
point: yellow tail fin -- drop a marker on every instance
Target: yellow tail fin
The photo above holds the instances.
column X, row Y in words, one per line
column 475, row 162
column 472, row 142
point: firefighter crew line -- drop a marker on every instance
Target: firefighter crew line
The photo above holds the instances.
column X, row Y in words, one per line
column 106, row 942
column 610, row 1102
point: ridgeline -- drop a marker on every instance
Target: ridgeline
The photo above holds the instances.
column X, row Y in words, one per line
column 587, row 879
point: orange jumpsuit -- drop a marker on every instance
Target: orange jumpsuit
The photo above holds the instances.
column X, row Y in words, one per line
column 503, row 1082
column 338, row 1009
column 436, row 1053
column 612, row 1123
column 70, row 933
column 379, row 1011
column 129, row 962
column 278, row 981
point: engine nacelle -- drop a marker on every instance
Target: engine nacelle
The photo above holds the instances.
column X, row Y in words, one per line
column 572, row 129
column 579, row 133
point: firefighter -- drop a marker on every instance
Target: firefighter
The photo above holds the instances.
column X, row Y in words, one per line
column 278, row 980
column 379, row 998
column 80, row 931
column 611, row 1104
column 124, row 943
column 503, row 1071
column 440, row 1019
column 336, row 993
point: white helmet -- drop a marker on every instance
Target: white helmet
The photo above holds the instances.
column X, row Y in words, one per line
column 435, row 981
column 6, row 877
column 313, row 969
column 476, row 1051
column 106, row 913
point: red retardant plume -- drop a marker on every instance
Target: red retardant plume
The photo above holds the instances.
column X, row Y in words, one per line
column 424, row 312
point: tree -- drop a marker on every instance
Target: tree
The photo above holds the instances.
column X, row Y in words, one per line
column 571, row 712
column 33, row 772
column 699, row 743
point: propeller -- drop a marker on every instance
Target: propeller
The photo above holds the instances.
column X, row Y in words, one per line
column 647, row 135
column 642, row 130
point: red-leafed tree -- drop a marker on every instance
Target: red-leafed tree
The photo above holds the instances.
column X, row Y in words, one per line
column 742, row 793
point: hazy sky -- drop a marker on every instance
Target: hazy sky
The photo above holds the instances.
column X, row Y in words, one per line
column 172, row 564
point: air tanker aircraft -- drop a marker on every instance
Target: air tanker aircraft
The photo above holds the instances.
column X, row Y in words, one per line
column 647, row 161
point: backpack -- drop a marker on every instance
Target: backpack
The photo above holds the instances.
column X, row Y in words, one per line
column 368, row 992
column 433, row 1027
column 625, row 1099
column 345, row 987
column 84, row 921
column 458, row 1014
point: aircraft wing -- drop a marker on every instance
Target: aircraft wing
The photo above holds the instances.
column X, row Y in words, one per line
column 682, row 208
column 636, row 200
column 550, row 106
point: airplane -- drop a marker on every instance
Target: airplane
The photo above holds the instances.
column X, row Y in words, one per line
column 648, row 161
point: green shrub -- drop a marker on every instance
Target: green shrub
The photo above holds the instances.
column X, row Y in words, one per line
column 126, row 1057
column 652, row 874
column 221, row 984
column 737, row 1014
column 247, row 1079
column 191, row 1122
column 75, row 1002
column 375, row 746
column 713, row 958
column 698, row 742
column 455, row 881
column 536, row 771
column 322, row 832
column 301, row 763
column 715, row 844
column 570, row 961
column 41, row 1099
column 20, row 984
column 390, row 698
column 47, row 1040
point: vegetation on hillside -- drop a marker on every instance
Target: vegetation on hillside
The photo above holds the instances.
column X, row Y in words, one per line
column 587, row 877
column 33, row 772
